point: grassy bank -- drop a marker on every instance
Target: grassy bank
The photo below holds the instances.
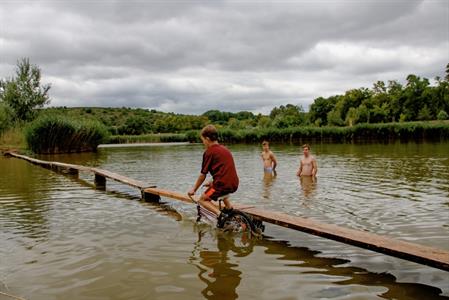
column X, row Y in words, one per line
column 59, row 136
column 13, row 139
column 432, row 131
column 148, row 138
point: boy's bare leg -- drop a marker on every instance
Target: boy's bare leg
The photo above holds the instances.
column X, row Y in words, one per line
column 227, row 203
column 209, row 205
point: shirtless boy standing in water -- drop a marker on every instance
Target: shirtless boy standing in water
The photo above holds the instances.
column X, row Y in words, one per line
column 308, row 165
column 269, row 160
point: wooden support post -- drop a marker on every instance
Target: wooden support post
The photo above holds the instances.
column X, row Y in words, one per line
column 149, row 197
column 100, row 181
column 72, row 171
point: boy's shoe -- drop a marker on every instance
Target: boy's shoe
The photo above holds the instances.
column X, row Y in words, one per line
column 227, row 211
column 221, row 219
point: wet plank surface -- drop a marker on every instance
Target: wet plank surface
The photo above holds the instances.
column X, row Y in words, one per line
column 63, row 166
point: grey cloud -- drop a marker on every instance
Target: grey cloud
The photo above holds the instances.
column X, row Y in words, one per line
column 144, row 54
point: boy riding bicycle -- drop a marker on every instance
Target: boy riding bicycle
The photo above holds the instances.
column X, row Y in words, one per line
column 218, row 161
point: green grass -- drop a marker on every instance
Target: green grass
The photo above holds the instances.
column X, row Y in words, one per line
column 148, row 138
column 13, row 138
column 56, row 134
column 433, row 130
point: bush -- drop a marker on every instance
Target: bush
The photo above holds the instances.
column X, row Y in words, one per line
column 6, row 117
column 193, row 136
column 442, row 115
column 56, row 134
column 149, row 138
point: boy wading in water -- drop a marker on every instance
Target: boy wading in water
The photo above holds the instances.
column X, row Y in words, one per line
column 308, row 165
column 218, row 161
column 268, row 158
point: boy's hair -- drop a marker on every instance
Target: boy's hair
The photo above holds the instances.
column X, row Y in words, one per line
column 265, row 143
column 210, row 132
column 306, row 146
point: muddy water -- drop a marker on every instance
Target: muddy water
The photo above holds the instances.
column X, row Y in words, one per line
column 62, row 239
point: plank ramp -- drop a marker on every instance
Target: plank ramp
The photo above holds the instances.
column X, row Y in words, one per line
column 425, row 255
column 70, row 168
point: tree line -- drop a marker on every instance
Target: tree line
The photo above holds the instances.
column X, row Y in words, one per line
column 23, row 97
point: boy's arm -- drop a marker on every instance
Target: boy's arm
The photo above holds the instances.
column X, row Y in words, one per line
column 314, row 167
column 198, row 183
column 300, row 169
column 274, row 161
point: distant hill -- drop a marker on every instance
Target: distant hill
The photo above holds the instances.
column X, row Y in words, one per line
column 132, row 120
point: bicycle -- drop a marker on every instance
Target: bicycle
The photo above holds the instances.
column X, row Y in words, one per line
column 233, row 220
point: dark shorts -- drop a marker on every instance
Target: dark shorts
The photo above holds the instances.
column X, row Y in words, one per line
column 213, row 194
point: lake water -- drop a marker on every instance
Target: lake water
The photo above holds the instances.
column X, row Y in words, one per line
column 62, row 239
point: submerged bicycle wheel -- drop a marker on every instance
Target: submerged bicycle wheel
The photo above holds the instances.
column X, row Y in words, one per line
column 239, row 221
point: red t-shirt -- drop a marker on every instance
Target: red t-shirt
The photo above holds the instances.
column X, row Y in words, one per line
column 217, row 160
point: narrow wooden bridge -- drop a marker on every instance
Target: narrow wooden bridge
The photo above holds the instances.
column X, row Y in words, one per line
column 425, row 255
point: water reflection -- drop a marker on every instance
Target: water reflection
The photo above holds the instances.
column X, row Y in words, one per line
column 222, row 276
column 354, row 276
column 24, row 192
column 268, row 180
column 216, row 270
column 308, row 185
column 91, row 159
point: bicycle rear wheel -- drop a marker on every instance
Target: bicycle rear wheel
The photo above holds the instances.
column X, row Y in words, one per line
column 238, row 221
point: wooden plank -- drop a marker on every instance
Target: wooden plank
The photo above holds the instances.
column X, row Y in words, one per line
column 413, row 252
column 121, row 178
column 70, row 167
column 49, row 164
column 170, row 194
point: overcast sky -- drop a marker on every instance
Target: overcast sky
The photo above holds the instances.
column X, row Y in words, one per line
column 192, row 56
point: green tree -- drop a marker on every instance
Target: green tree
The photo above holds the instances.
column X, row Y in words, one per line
column 415, row 96
column 395, row 92
column 440, row 96
column 334, row 118
column 380, row 103
column 244, row 115
column 320, row 108
column 353, row 98
column 218, row 117
column 447, row 72
column 287, row 116
column 424, row 114
column 6, row 116
column 352, row 116
column 134, row 125
column 363, row 114
column 264, row 122
column 442, row 115
column 24, row 93
column 379, row 113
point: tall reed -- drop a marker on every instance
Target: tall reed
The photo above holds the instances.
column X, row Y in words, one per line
column 57, row 134
column 434, row 131
column 148, row 138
